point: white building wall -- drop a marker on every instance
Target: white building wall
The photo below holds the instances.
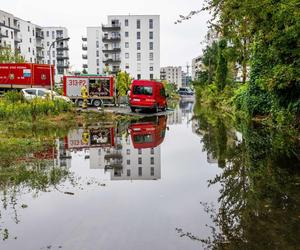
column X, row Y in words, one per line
column 197, row 66
column 146, row 67
column 7, row 31
column 172, row 75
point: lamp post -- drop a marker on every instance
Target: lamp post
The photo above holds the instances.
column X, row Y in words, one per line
column 51, row 80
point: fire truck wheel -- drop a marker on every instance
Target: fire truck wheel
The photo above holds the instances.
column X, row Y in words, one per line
column 97, row 103
column 79, row 103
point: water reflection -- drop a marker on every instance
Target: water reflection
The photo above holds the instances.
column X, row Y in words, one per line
column 259, row 200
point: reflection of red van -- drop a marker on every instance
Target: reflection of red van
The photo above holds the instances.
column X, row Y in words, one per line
column 146, row 94
column 149, row 132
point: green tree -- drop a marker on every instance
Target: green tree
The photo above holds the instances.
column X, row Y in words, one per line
column 222, row 67
column 8, row 56
column 123, row 83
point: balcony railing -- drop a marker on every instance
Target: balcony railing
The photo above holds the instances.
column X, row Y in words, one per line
column 40, row 46
column 85, row 66
column 62, row 57
column 112, row 60
column 3, row 35
column 16, row 28
column 62, row 66
column 39, row 56
column 106, row 39
column 39, row 35
column 112, row 50
column 84, row 47
column 85, row 57
column 62, row 48
column 84, row 39
column 112, row 27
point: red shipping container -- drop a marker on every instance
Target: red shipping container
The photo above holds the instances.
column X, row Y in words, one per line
column 25, row 75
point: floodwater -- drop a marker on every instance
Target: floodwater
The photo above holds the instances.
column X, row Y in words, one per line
column 189, row 180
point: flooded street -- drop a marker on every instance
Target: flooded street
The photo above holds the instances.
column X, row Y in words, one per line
column 189, row 180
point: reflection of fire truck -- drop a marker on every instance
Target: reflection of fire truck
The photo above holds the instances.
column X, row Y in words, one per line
column 100, row 89
column 90, row 137
column 148, row 133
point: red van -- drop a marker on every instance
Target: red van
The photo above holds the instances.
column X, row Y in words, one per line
column 145, row 94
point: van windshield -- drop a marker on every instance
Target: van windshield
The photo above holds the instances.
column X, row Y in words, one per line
column 142, row 90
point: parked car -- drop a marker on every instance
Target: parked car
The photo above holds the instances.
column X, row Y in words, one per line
column 42, row 93
column 145, row 94
column 184, row 91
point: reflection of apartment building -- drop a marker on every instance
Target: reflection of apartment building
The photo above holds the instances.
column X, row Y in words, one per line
column 129, row 43
column 32, row 41
column 172, row 75
column 175, row 117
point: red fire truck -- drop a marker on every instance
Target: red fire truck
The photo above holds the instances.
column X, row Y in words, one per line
column 100, row 89
column 25, row 75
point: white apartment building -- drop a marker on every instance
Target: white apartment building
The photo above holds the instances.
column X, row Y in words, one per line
column 60, row 50
column 129, row 43
column 197, row 66
column 32, row 42
column 172, row 75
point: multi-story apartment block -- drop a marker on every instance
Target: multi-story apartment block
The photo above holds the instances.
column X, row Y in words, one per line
column 33, row 41
column 60, row 50
column 129, row 42
column 197, row 66
column 172, row 75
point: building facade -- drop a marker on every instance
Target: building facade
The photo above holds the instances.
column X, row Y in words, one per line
column 197, row 66
column 32, row 42
column 129, row 43
column 172, row 75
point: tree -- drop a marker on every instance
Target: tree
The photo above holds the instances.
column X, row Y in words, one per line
column 222, row 67
column 123, row 83
column 8, row 56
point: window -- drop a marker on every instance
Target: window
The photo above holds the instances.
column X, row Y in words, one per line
column 126, row 22
column 151, row 68
column 139, row 67
column 152, row 171
column 127, row 66
column 138, row 24
column 12, row 35
column 53, row 35
column 97, row 62
column 47, row 33
column 140, row 160
column 28, row 28
column 97, row 44
column 139, row 151
column 97, row 53
column 138, row 76
column 140, row 171
column 152, row 160
column 33, row 51
column 152, row 151
column 30, row 40
column 128, row 162
column 142, row 90
column 138, row 45
column 126, row 55
column 151, row 56
column 48, row 44
column 41, row 93
column 28, row 49
column 128, row 172
column 127, row 45
column 150, row 23
column 53, row 53
column 138, row 56
column 128, row 151
column 138, row 35
column 151, row 35
column 30, row 91
column 98, row 72
column 151, row 46
column 151, row 76
column 126, row 34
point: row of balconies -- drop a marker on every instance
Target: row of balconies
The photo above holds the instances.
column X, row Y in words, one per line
column 14, row 26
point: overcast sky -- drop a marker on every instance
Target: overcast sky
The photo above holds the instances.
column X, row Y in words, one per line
column 179, row 43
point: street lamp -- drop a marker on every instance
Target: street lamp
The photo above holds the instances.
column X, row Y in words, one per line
column 56, row 41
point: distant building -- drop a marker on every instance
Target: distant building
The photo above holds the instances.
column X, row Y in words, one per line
column 186, row 79
column 129, row 43
column 197, row 66
column 172, row 75
column 32, row 42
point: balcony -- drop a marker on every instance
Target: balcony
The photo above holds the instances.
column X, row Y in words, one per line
column 3, row 35
column 85, row 66
column 62, row 66
column 18, row 40
column 39, row 46
column 112, row 27
column 84, row 47
column 39, row 35
column 62, row 57
column 13, row 27
column 39, row 56
column 62, row 48
column 85, row 57
column 113, row 50
column 112, row 60
column 84, row 39
column 106, row 39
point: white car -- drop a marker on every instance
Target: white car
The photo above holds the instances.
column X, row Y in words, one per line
column 42, row 93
